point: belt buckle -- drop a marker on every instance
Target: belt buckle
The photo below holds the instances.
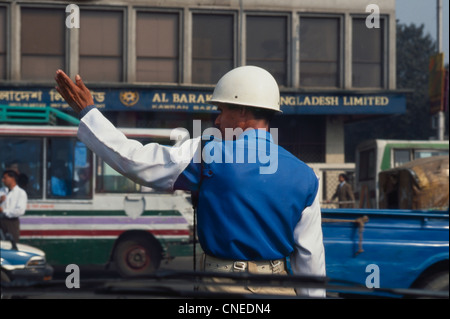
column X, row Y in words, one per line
column 239, row 265
column 276, row 266
column 275, row 263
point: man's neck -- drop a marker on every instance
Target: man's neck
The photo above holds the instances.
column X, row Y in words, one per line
column 256, row 124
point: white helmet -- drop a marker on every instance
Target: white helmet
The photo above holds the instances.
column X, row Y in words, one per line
column 248, row 86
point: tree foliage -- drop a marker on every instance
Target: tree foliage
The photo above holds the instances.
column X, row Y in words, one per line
column 414, row 50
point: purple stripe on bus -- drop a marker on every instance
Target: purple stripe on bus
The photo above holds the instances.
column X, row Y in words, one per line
column 102, row 220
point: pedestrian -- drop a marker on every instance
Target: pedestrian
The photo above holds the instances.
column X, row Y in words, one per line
column 252, row 214
column 344, row 193
column 13, row 204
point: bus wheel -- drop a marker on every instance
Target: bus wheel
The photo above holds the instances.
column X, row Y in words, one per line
column 137, row 257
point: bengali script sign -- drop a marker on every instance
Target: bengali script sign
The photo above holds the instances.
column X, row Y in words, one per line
column 173, row 100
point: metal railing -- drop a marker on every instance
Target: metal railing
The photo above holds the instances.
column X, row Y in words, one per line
column 34, row 115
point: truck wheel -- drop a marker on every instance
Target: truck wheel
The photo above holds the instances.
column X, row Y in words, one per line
column 137, row 257
column 436, row 282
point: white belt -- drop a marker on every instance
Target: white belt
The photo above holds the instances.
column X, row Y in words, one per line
column 259, row 266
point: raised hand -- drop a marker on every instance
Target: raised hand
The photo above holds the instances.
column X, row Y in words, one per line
column 77, row 95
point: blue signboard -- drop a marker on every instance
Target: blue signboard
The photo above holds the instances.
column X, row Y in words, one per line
column 333, row 103
column 185, row 100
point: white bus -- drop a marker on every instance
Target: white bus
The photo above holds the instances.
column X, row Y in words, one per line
column 81, row 211
column 374, row 156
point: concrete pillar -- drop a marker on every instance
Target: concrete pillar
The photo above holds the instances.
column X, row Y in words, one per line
column 15, row 42
column 187, row 46
column 130, row 49
column 73, row 56
column 348, row 29
column 335, row 151
column 295, row 50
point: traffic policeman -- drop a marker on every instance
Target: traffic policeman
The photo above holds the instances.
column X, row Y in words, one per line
column 257, row 203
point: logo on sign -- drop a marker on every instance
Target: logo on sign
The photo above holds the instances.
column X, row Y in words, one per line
column 129, row 98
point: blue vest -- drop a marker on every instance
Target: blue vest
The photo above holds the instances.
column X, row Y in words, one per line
column 251, row 197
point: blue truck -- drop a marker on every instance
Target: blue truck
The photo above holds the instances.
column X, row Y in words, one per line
column 390, row 249
column 403, row 244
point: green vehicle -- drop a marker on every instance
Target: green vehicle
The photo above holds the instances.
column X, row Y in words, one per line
column 375, row 156
column 81, row 211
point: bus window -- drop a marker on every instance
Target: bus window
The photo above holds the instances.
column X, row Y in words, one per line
column 110, row 181
column 401, row 156
column 69, row 166
column 367, row 165
column 24, row 155
column 428, row 153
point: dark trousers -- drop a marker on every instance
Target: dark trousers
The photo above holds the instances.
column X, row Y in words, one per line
column 12, row 226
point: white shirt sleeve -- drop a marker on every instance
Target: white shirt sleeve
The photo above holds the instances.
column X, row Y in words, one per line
column 308, row 257
column 15, row 203
column 151, row 165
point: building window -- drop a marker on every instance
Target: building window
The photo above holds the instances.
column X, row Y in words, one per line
column 212, row 47
column 367, row 55
column 157, row 47
column 320, row 48
column 303, row 136
column 42, row 43
column 101, row 45
column 2, row 43
column 266, row 45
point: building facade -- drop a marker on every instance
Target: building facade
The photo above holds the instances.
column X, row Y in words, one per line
column 154, row 63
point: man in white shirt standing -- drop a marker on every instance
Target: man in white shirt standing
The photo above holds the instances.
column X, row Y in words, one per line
column 13, row 205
